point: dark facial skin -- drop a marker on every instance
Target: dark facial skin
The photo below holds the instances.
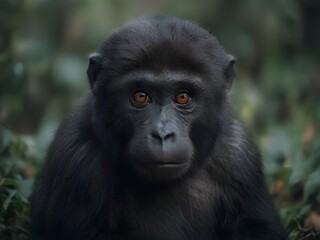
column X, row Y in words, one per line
column 154, row 151
column 162, row 125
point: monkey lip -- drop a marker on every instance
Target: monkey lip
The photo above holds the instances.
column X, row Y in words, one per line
column 162, row 164
column 157, row 172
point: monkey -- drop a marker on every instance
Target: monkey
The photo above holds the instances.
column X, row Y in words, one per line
column 155, row 151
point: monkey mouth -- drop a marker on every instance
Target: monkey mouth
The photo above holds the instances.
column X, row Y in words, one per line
column 161, row 171
column 162, row 164
column 162, row 160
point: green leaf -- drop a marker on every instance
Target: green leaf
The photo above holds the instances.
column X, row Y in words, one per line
column 303, row 212
column 9, row 183
column 8, row 200
column 5, row 139
column 25, row 188
column 312, row 185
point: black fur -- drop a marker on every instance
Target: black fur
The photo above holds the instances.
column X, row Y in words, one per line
column 120, row 170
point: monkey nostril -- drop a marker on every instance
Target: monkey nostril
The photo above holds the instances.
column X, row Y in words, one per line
column 168, row 136
column 156, row 136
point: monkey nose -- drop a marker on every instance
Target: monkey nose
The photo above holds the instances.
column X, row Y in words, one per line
column 162, row 135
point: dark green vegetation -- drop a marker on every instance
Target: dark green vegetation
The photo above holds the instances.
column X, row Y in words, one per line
column 43, row 56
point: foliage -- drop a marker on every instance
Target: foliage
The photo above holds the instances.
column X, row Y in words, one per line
column 289, row 139
column 17, row 161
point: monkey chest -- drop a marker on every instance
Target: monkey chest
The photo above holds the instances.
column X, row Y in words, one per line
column 167, row 218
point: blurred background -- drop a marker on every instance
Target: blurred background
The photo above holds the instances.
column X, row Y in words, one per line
column 44, row 48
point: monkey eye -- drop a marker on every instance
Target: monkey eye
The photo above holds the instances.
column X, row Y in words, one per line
column 141, row 97
column 183, row 98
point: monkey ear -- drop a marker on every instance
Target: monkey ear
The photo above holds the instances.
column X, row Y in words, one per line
column 230, row 71
column 95, row 64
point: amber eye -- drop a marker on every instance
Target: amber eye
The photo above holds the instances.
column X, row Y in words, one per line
column 183, row 98
column 141, row 97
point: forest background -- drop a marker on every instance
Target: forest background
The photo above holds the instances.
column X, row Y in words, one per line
column 44, row 48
